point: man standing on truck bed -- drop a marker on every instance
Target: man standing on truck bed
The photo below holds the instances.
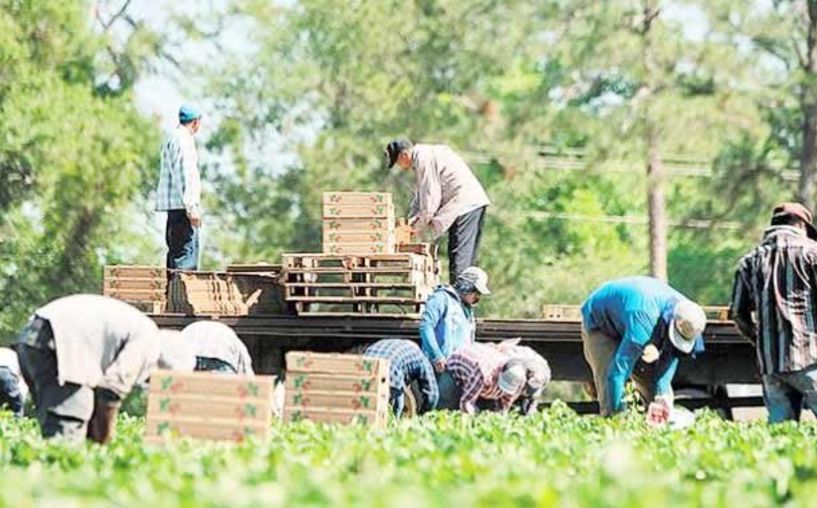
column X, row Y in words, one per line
column 777, row 281
column 639, row 327
column 179, row 192
column 448, row 198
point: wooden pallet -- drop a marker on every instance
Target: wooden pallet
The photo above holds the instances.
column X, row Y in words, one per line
column 204, row 405
column 303, row 291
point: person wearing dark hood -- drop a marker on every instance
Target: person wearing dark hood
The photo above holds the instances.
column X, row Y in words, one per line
column 448, row 324
column 777, row 281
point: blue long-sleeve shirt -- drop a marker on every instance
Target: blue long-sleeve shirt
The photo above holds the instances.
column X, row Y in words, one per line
column 635, row 311
column 446, row 324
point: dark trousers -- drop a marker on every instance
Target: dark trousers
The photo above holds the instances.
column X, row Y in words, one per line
column 463, row 242
column 182, row 242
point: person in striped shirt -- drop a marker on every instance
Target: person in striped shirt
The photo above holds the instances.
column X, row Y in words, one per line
column 179, row 192
column 408, row 364
column 777, row 281
column 482, row 372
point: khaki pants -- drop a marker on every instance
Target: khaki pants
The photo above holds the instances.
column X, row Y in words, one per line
column 598, row 352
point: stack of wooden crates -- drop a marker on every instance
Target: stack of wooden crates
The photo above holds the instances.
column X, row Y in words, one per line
column 358, row 223
column 337, row 388
column 204, row 405
column 144, row 287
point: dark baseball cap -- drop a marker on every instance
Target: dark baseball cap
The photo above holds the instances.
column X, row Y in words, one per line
column 394, row 148
column 799, row 211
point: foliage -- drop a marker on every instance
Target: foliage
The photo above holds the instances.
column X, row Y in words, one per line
column 552, row 459
column 73, row 159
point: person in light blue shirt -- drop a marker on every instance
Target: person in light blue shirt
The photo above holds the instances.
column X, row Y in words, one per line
column 448, row 323
column 639, row 327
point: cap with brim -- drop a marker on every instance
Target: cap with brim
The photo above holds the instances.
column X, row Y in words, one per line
column 680, row 342
column 394, row 148
column 512, row 378
column 799, row 211
column 188, row 113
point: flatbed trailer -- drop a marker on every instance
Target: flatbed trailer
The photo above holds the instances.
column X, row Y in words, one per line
column 729, row 358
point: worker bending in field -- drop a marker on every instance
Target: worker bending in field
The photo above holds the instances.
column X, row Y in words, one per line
column 537, row 374
column 777, row 281
column 408, row 364
column 217, row 348
column 80, row 355
column 13, row 389
column 638, row 326
column 179, row 192
column 482, row 372
column 448, row 197
column 447, row 324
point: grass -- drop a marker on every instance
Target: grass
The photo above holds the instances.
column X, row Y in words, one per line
column 553, row 459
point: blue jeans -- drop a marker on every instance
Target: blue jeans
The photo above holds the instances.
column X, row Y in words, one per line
column 450, row 392
column 398, row 401
column 785, row 393
column 10, row 394
column 182, row 242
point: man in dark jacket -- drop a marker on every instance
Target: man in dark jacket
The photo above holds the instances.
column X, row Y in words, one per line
column 777, row 281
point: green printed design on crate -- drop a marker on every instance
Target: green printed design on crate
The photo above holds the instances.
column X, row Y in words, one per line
column 250, row 410
column 164, row 404
column 299, row 381
column 253, row 389
column 366, row 383
column 368, row 365
column 361, row 419
column 365, row 401
column 163, row 427
column 298, row 399
column 166, row 383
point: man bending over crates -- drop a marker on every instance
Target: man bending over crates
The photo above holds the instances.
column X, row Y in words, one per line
column 80, row 355
column 639, row 327
column 407, row 365
column 218, row 348
column 448, row 198
column 483, row 373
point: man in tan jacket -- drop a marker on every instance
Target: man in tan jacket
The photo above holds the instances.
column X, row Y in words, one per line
column 448, row 198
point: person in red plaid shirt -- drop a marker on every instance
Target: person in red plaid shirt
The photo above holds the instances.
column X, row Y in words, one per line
column 484, row 372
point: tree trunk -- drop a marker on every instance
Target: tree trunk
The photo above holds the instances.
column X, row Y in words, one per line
column 808, row 106
column 656, row 200
column 656, row 204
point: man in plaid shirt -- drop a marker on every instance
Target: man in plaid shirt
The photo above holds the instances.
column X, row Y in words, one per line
column 179, row 192
column 408, row 364
column 484, row 372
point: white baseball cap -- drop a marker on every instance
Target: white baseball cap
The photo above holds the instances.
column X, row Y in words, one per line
column 477, row 277
column 512, row 377
column 687, row 325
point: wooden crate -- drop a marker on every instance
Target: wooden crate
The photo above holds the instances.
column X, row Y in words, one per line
column 340, row 388
column 342, row 236
column 205, row 405
column 364, row 225
column 356, row 198
column 384, row 211
column 336, row 364
column 144, row 287
column 363, row 248
column 562, row 312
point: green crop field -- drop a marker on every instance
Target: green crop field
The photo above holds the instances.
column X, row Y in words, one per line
column 553, row 459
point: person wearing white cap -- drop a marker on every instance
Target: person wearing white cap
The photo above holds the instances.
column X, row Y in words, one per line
column 482, row 372
column 639, row 327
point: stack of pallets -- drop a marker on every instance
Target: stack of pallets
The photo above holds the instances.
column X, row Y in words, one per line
column 144, row 287
column 204, row 405
column 383, row 284
column 337, row 388
column 358, row 223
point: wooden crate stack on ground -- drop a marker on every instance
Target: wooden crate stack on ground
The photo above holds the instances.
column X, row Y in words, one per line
column 358, row 223
column 204, row 405
column 383, row 284
column 336, row 388
column 225, row 294
column 144, row 287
